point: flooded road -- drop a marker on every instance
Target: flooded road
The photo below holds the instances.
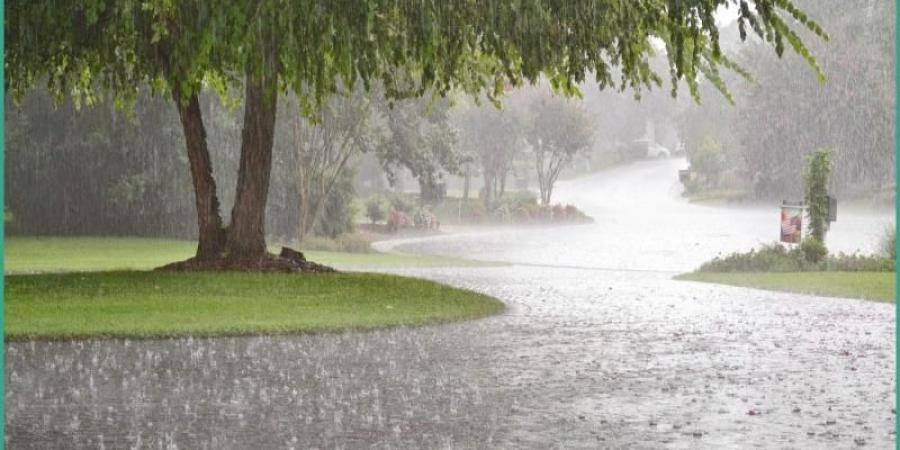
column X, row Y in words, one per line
column 598, row 348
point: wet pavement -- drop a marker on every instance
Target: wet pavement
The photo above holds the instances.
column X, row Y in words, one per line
column 598, row 348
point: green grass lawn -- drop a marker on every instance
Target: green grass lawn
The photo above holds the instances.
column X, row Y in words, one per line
column 879, row 286
column 57, row 254
column 101, row 288
column 154, row 304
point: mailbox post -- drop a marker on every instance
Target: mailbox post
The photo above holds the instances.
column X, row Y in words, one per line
column 832, row 209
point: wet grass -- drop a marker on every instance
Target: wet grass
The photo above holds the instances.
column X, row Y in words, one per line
column 63, row 288
column 878, row 286
column 58, row 254
column 153, row 305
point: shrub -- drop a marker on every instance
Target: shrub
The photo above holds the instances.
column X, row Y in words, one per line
column 402, row 204
column 475, row 212
column 559, row 213
column 337, row 215
column 502, row 213
column 813, row 249
column 425, row 219
column 521, row 198
column 398, row 220
column 375, row 210
column 522, row 214
column 707, row 162
column 776, row 258
column 769, row 258
column 858, row 263
column 514, row 208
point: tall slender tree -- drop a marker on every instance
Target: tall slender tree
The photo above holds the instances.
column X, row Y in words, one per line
column 557, row 129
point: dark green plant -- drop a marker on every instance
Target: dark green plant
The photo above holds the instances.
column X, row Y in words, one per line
column 813, row 249
column 769, row 258
column 818, row 173
column 337, row 213
column 401, row 203
column 375, row 210
column 776, row 258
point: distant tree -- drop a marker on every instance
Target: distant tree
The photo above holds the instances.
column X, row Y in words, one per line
column 97, row 171
column 338, row 211
column 494, row 138
column 777, row 120
column 422, row 140
column 347, row 127
column 556, row 129
column 312, row 47
column 375, row 210
column 708, row 161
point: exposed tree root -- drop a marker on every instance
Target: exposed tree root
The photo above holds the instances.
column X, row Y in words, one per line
column 289, row 261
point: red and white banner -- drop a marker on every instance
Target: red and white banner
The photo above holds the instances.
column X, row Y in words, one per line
column 791, row 224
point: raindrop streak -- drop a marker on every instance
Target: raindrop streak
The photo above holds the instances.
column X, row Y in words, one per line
column 581, row 357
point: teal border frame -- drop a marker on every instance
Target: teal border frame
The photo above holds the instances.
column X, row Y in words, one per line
column 2, row 225
column 896, row 213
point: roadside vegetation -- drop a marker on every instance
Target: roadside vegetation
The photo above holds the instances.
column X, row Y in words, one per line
column 774, row 267
column 809, row 267
column 777, row 258
column 399, row 212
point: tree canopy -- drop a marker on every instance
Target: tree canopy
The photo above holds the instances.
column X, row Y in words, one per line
column 761, row 141
column 314, row 46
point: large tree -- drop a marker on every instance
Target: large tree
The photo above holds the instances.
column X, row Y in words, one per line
column 311, row 47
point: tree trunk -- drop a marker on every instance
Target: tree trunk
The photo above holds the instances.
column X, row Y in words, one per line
column 426, row 193
column 488, row 189
column 468, row 180
column 209, row 222
column 246, row 234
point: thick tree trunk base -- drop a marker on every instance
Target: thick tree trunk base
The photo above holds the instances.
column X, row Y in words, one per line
column 289, row 261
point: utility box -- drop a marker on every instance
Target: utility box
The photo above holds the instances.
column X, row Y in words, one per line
column 684, row 175
column 832, row 209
